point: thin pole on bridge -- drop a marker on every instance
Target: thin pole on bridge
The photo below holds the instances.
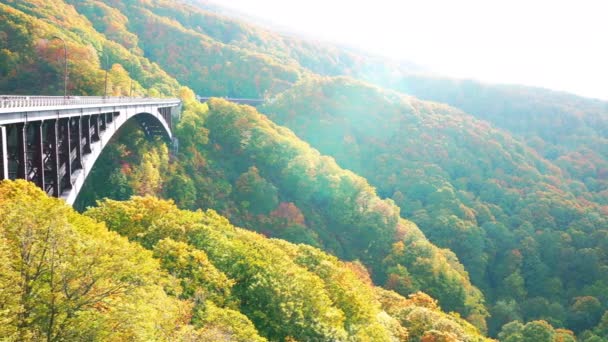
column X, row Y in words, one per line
column 65, row 71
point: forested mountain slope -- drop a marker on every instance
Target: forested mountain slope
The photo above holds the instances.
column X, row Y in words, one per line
column 66, row 277
column 563, row 127
column 31, row 61
column 436, row 271
column 216, row 55
column 570, row 130
column 173, row 35
column 520, row 196
column 219, row 56
column 530, row 236
column 261, row 176
column 287, row 290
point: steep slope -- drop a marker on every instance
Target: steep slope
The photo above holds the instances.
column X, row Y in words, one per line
column 321, row 299
column 261, row 176
column 275, row 183
column 66, row 277
column 564, row 128
column 227, row 57
column 520, row 226
column 208, row 66
column 32, row 61
column 541, row 256
column 219, row 56
column 433, row 269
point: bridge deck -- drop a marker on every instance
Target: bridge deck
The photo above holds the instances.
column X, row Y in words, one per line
column 11, row 103
column 247, row 101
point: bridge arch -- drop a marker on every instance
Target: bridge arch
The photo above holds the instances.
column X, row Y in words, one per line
column 151, row 124
column 57, row 146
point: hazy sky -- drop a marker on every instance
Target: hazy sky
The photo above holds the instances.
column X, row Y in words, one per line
column 561, row 45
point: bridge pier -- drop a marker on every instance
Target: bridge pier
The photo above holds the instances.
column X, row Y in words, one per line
column 47, row 129
column 166, row 113
column 76, row 142
column 65, row 158
column 95, row 137
column 86, row 133
column 53, row 136
column 4, row 156
column 36, row 150
column 21, row 157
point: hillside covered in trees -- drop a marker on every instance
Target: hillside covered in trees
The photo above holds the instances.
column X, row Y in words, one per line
column 508, row 183
column 531, row 236
column 261, row 176
column 185, row 276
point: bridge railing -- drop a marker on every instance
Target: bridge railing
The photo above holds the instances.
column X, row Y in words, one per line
column 11, row 101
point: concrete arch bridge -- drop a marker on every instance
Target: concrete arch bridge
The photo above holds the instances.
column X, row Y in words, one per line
column 55, row 141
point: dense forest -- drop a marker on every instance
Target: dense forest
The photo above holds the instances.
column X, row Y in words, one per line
column 481, row 213
column 530, row 236
column 261, row 176
column 179, row 275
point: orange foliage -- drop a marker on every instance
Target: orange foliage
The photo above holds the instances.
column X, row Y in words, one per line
column 424, row 300
column 290, row 212
column 360, row 271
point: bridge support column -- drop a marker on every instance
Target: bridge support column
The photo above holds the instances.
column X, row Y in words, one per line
column 65, row 160
column 166, row 114
column 52, row 135
column 95, row 136
column 76, row 142
column 21, row 151
column 38, row 154
column 86, row 134
column 4, row 152
column 102, row 122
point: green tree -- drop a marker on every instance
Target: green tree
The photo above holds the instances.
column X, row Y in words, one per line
column 65, row 277
column 255, row 193
column 511, row 332
column 538, row 331
column 585, row 312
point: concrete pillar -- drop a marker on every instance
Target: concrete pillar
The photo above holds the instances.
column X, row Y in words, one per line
column 76, row 141
column 37, row 157
column 64, row 130
column 52, row 134
column 96, row 130
column 102, row 122
column 21, row 151
column 86, row 133
column 4, row 151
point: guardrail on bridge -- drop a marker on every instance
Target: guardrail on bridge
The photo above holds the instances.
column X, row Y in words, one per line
column 11, row 101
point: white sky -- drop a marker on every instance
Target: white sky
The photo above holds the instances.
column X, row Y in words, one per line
column 561, row 45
